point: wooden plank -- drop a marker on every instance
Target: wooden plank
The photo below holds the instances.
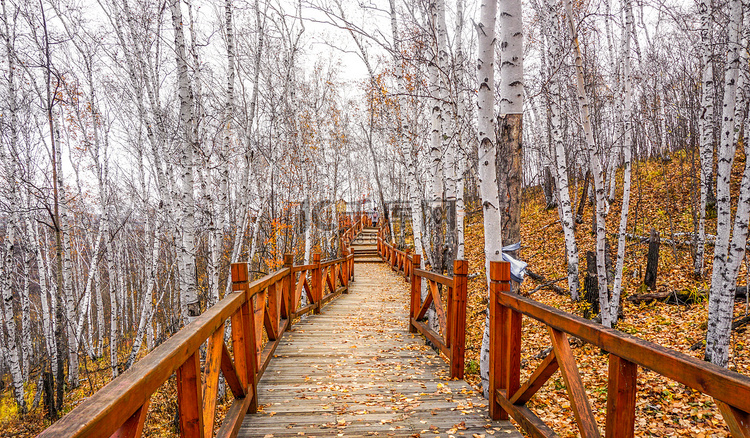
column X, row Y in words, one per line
column 298, row 291
column 433, row 276
column 737, row 421
column 304, row 310
column 499, row 281
column 438, row 303
column 425, row 306
column 579, row 401
column 266, row 356
column 332, row 295
column 189, row 403
column 621, row 398
column 329, row 279
column 230, row 373
column 432, row 337
column 720, row 383
column 329, row 379
column 311, row 298
column 133, row 427
column 530, row 423
column 233, row 419
column 248, row 325
column 258, row 303
column 414, row 292
column 274, row 308
column 543, row 372
column 238, row 346
column 457, row 316
column 511, row 347
column 211, row 385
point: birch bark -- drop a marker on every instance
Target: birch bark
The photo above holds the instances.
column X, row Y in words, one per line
column 487, row 155
column 706, row 129
column 406, row 145
column 596, row 170
column 7, row 159
column 561, row 167
column 627, row 158
column 727, row 258
column 190, row 306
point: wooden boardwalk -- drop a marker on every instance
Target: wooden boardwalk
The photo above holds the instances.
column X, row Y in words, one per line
column 354, row 370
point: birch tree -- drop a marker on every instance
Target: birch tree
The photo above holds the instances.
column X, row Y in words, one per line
column 554, row 104
column 627, row 162
column 731, row 240
column 188, row 293
column 596, row 170
column 487, row 166
column 706, row 128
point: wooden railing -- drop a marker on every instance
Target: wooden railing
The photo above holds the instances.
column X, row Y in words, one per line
column 730, row 390
column 399, row 260
column 451, row 316
column 351, row 232
column 269, row 305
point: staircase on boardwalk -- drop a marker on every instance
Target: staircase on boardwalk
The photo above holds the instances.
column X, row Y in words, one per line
column 364, row 246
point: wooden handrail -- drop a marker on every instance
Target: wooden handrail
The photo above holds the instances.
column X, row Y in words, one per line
column 731, row 390
column 433, row 276
column 269, row 303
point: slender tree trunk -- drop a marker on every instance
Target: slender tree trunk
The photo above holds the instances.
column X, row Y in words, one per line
column 461, row 155
column 554, row 103
column 596, row 170
column 706, row 129
column 626, row 151
column 188, row 294
column 407, row 147
column 727, row 258
column 488, row 188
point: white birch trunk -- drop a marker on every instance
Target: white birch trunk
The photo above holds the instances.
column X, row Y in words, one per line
column 8, row 161
column 706, row 130
column 47, row 327
column 561, row 166
column 596, row 171
column 627, row 158
column 488, row 188
column 190, row 306
column 461, row 147
column 407, row 147
column 727, row 260
column 67, row 276
column 307, row 215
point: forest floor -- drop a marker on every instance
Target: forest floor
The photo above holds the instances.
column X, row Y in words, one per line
column 662, row 197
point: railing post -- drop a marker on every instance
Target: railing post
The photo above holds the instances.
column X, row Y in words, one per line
column 189, row 397
column 243, row 340
column 317, row 279
column 621, row 398
column 345, row 268
column 416, row 292
column 407, row 264
column 287, row 309
column 458, row 317
column 499, row 281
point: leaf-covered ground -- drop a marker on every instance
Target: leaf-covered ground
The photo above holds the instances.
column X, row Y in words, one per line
column 662, row 197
